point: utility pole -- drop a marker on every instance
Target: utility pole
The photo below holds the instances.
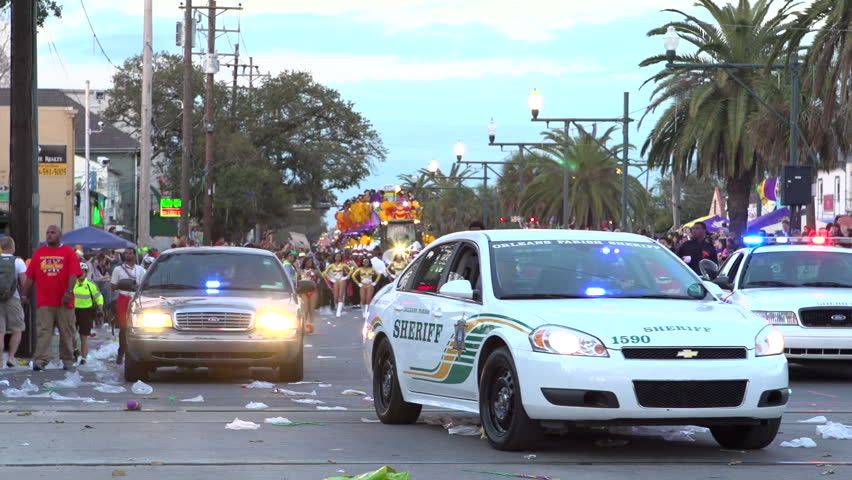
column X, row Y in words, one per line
column 234, row 86
column 625, row 219
column 208, row 124
column 85, row 209
column 144, row 207
column 186, row 147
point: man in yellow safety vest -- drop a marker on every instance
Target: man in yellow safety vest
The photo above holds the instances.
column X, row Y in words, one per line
column 88, row 302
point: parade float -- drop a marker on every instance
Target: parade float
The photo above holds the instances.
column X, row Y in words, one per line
column 389, row 219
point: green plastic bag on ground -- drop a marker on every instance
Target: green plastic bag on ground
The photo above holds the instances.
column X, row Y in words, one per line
column 384, row 473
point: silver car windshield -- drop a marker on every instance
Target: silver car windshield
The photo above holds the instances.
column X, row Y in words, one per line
column 823, row 269
column 217, row 271
column 589, row 269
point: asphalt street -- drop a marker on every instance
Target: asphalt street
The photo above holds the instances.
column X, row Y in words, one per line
column 170, row 438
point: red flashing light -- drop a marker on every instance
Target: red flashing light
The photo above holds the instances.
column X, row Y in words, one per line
column 503, row 219
column 533, row 219
column 818, row 240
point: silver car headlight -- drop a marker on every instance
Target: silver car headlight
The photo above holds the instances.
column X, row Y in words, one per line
column 566, row 341
column 778, row 317
column 770, row 341
column 274, row 321
column 152, row 320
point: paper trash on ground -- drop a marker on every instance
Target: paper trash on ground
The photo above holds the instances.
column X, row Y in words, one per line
column 238, row 424
column 353, row 393
column 464, row 430
column 105, row 352
column 276, row 420
column 836, row 431
column 259, row 384
column 256, row 405
column 197, row 399
column 26, row 389
column 105, row 388
column 803, row 442
column 682, row 433
column 309, row 401
column 367, row 420
column 291, row 393
column 325, row 356
column 819, row 419
column 71, row 380
column 4, row 383
column 142, row 388
column 320, row 407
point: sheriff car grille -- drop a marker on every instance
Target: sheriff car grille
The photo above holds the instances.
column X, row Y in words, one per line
column 702, row 353
column 826, row 317
column 192, row 320
column 690, row 394
column 818, row 351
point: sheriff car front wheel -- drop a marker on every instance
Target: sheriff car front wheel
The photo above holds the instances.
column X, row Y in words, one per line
column 504, row 419
column 747, row 437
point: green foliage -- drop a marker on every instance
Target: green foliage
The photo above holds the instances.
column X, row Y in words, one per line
column 46, row 8
column 448, row 204
column 696, row 197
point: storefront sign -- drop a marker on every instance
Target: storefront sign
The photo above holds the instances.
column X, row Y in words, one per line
column 171, row 207
column 52, row 160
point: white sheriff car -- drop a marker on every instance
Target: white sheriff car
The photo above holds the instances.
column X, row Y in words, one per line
column 802, row 286
column 540, row 329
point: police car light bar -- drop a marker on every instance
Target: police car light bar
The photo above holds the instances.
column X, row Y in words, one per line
column 756, row 240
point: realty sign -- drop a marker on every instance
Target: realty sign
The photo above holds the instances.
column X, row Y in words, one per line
column 52, row 160
column 171, row 207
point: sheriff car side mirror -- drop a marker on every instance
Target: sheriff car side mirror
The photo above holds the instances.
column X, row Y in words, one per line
column 457, row 289
column 305, row 286
column 128, row 285
column 723, row 282
column 708, row 268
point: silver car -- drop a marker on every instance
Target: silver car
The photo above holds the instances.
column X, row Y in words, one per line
column 216, row 306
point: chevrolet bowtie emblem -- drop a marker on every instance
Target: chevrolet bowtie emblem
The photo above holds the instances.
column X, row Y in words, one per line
column 687, row 354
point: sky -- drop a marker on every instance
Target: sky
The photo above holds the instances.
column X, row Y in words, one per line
column 425, row 73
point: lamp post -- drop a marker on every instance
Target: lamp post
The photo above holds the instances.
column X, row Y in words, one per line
column 536, row 103
column 672, row 40
column 459, row 150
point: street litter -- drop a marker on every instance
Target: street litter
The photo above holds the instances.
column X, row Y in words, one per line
column 353, row 392
column 292, row 393
column 325, row 356
column 111, row 377
column 367, row 420
column 259, row 384
column 514, row 475
column 303, row 382
column 529, row 457
column 307, row 345
column 448, row 421
column 4, row 383
column 465, row 430
column 276, row 420
column 104, row 388
column 26, row 389
column 93, row 365
column 25, row 444
column 803, row 442
column 105, row 352
column 320, row 407
column 142, row 388
column 256, row 405
column 293, row 424
column 681, row 433
column 368, row 399
column 384, row 473
column 71, row 380
column 836, row 431
column 819, row 419
column 325, row 385
column 309, row 401
column 57, row 396
column 197, row 399
column 134, row 405
column 238, row 424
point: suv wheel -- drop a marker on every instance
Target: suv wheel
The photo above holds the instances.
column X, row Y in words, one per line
column 293, row 372
column 387, row 395
column 747, row 437
column 135, row 370
column 501, row 411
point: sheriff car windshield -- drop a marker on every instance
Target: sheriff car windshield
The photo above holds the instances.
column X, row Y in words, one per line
column 541, row 269
column 799, row 269
column 216, row 271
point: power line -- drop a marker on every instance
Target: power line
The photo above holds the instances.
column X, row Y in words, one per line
column 97, row 40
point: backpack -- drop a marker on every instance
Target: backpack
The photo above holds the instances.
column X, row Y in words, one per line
column 8, row 278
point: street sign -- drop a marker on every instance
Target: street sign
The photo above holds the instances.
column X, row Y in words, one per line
column 4, row 197
column 52, row 161
column 171, row 207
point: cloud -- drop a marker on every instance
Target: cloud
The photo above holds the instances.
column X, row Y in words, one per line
column 329, row 68
column 517, row 20
column 54, row 74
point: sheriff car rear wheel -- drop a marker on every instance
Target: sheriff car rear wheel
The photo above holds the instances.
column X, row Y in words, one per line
column 387, row 395
column 747, row 437
column 504, row 419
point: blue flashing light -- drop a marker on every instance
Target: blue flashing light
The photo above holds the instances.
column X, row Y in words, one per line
column 212, row 291
column 595, row 292
column 213, row 284
column 753, row 240
column 782, row 240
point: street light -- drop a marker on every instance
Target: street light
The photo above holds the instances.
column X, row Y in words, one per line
column 535, row 102
column 434, row 166
column 671, row 41
column 459, row 150
column 492, row 131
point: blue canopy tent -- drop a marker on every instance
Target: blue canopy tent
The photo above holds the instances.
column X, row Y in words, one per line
column 772, row 218
column 95, row 238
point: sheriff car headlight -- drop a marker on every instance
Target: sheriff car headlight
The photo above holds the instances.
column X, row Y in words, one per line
column 276, row 322
column 152, row 320
column 566, row 341
column 778, row 318
column 770, row 341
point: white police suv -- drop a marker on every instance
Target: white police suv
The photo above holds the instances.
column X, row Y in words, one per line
column 540, row 329
column 801, row 285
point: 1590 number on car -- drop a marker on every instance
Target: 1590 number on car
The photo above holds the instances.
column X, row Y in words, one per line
column 628, row 339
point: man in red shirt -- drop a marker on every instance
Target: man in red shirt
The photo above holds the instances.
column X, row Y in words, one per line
column 54, row 268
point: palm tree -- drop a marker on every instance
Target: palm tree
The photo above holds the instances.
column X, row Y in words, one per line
column 596, row 181
column 516, row 174
column 706, row 129
column 448, row 204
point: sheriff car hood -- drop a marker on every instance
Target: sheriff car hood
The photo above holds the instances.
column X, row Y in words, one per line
column 791, row 299
column 664, row 323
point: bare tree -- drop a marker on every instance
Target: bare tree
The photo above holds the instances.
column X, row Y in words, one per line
column 5, row 49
